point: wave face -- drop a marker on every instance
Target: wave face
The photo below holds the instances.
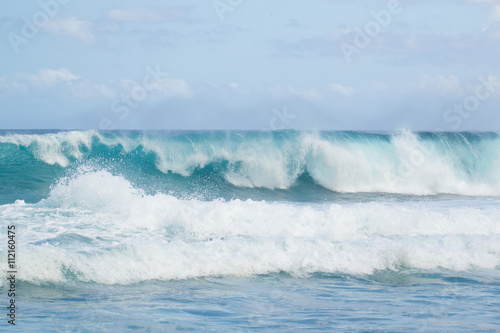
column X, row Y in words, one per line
column 258, row 164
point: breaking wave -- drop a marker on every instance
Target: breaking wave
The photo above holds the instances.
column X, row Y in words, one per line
column 347, row 162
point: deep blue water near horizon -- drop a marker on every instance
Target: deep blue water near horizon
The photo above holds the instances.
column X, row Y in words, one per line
column 239, row 231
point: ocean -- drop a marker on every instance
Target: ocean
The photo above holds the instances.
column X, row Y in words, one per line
column 241, row 231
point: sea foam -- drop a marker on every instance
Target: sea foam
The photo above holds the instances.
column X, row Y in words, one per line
column 96, row 227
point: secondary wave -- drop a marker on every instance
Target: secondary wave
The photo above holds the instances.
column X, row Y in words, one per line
column 96, row 227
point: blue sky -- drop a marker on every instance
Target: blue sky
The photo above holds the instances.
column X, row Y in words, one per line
column 250, row 64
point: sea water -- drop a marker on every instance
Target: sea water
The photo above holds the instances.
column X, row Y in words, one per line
column 240, row 231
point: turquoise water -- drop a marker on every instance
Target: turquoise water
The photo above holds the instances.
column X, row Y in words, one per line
column 242, row 231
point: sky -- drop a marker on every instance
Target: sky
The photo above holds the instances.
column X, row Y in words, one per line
column 250, row 65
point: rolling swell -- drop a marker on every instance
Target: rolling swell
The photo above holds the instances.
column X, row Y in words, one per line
column 256, row 164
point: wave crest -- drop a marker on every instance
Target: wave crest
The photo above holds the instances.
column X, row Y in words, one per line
column 409, row 163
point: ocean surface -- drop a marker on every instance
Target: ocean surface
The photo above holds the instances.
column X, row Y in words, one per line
column 240, row 231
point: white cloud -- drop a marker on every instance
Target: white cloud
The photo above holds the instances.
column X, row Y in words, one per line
column 165, row 87
column 127, row 84
column 86, row 89
column 309, row 94
column 73, row 27
column 494, row 17
column 148, row 14
column 175, row 88
column 105, row 90
column 239, row 88
column 59, row 80
column 341, row 89
column 440, row 84
column 50, row 77
column 56, row 81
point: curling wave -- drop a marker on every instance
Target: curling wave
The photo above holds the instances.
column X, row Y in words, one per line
column 348, row 162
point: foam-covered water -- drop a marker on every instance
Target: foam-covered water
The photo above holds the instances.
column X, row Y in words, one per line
column 97, row 227
column 118, row 211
